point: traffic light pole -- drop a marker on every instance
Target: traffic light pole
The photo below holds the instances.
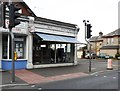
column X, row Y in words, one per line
column 84, row 21
column 13, row 21
column 12, row 52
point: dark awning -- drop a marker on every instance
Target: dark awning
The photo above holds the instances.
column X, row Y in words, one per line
column 57, row 38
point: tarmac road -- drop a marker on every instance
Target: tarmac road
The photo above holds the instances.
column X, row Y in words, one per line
column 106, row 80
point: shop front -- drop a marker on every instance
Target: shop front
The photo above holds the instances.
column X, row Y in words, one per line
column 20, row 35
column 40, row 43
column 54, row 44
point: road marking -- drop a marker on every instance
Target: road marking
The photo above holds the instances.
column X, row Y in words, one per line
column 105, row 76
column 114, row 77
column 33, row 86
column 114, row 65
column 8, row 85
column 39, row 88
column 96, row 75
column 93, row 68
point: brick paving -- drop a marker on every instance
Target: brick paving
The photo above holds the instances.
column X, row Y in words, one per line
column 33, row 78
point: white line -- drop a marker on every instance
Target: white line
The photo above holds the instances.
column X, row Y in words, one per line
column 114, row 77
column 94, row 73
column 105, row 76
column 39, row 88
column 6, row 85
column 33, row 86
column 103, row 71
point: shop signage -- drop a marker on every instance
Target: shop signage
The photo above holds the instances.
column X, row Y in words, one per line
column 19, row 39
column 54, row 28
column 21, row 28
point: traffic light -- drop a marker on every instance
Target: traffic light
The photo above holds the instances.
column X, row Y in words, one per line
column 89, row 31
column 2, row 14
column 13, row 15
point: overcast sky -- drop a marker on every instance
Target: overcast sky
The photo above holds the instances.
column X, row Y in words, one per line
column 102, row 14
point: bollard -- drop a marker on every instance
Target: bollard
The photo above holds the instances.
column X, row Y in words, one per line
column 109, row 64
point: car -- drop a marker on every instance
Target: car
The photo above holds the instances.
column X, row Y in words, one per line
column 93, row 55
column 103, row 55
column 108, row 56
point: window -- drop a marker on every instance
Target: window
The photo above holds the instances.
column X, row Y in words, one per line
column 4, row 46
column 109, row 41
column 19, row 48
column 112, row 40
column 51, row 52
column 119, row 40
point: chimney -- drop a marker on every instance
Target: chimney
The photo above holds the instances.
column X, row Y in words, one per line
column 100, row 34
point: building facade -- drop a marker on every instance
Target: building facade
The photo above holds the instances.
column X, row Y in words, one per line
column 111, row 43
column 39, row 42
column 108, row 44
column 96, row 43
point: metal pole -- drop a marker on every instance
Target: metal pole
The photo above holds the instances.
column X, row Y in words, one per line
column 90, row 59
column 12, row 52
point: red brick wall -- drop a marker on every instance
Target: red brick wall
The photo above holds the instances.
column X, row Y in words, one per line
column 24, row 10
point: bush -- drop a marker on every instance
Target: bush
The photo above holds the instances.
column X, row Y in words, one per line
column 117, row 55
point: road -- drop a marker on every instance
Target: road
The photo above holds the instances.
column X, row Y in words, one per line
column 106, row 80
column 99, row 78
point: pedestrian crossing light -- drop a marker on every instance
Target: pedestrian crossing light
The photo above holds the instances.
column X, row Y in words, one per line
column 13, row 15
column 89, row 31
column 15, row 56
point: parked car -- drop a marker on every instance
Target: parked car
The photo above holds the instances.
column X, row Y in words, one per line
column 103, row 55
column 93, row 55
column 108, row 56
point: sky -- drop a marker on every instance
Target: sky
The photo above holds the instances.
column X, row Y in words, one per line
column 102, row 14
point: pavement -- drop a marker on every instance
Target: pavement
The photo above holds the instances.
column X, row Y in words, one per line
column 46, row 75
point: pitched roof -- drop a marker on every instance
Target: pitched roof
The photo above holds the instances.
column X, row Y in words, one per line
column 28, row 9
column 95, row 38
column 114, row 33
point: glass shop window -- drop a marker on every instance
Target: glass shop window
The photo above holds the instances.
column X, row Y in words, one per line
column 19, row 48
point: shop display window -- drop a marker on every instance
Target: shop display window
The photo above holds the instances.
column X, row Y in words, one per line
column 19, row 48
column 52, row 52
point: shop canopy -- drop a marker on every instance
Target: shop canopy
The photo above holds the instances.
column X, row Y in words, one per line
column 56, row 38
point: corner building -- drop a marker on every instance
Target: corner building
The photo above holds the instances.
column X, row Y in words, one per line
column 39, row 42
